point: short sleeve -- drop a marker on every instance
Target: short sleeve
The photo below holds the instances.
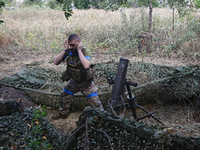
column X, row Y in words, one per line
column 88, row 54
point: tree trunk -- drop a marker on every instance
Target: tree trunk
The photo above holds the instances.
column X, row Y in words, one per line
column 150, row 16
column 145, row 39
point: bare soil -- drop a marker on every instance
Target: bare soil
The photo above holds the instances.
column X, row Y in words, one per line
column 9, row 93
column 176, row 117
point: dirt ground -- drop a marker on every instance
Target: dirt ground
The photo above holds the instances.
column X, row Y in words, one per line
column 174, row 116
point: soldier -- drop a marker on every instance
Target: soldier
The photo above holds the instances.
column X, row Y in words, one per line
column 78, row 61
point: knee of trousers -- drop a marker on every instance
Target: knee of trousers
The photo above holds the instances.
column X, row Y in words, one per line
column 65, row 100
column 94, row 100
column 89, row 90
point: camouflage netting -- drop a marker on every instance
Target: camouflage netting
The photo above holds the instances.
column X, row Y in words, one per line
column 103, row 131
column 95, row 130
column 155, row 83
column 178, row 84
column 16, row 132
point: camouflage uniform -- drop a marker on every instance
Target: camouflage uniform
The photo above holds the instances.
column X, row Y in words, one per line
column 80, row 79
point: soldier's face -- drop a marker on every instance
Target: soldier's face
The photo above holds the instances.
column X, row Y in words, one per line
column 73, row 44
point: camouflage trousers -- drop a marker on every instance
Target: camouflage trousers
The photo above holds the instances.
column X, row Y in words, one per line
column 88, row 89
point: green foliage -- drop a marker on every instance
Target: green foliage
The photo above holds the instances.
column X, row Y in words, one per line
column 67, row 5
column 85, row 4
column 197, row 4
column 82, row 4
column 68, row 13
column 184, row 7
column 101, row 4
column 54, row 4
column 109, row 5
column 36, row 139
column 32, row 3
column 112, row 4
column 39, row 113
column 1, row 5
column 64, row 5
column 96, row 4
column 7, row 2
column 146, row 3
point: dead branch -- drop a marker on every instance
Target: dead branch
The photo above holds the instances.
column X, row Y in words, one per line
column 86, row 142
column 106, row 136
column 62, row 146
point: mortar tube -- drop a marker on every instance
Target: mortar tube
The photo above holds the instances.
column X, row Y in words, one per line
column 118, row 87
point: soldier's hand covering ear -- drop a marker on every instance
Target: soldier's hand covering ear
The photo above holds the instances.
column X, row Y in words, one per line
column 66, row 44
column 80, row 46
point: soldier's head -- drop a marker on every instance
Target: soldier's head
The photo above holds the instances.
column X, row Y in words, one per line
column 73, row 40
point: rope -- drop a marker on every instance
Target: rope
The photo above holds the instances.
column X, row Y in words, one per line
column 81, row 95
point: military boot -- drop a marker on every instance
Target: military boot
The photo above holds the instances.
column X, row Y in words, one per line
column 63, row 114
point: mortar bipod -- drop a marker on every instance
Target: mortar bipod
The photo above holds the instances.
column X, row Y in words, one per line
column 133, row 104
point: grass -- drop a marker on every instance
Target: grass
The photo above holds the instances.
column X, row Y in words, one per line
column 40, row 31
